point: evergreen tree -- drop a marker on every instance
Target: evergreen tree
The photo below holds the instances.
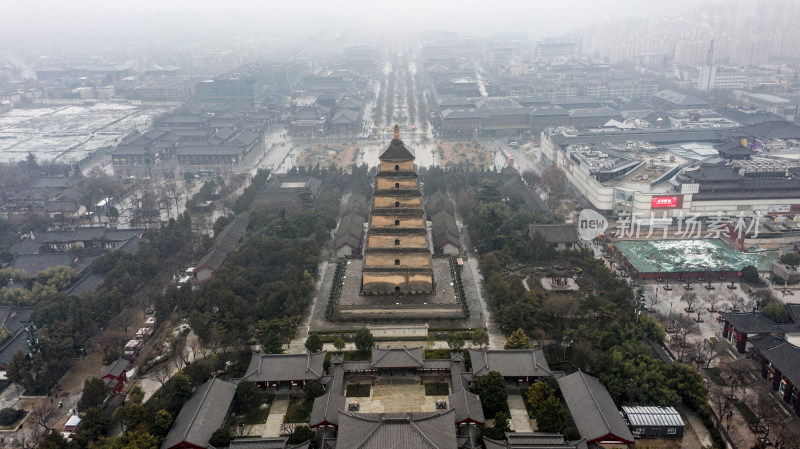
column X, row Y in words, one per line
column 518, row 340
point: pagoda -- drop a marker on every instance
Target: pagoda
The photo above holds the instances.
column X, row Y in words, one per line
column 397, row 258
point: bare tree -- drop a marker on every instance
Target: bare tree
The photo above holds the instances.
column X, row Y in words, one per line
column 737, row 303
column 652, row 300
column 161, row 374
column 43, row 414
column 786, row 436
column 176, row 193
column 713, row 300
column 531, row 178
column 684, row 327
column 125, row 320
column 707, row 351
column 766, row 413
column 689, row 299
column 741, row 375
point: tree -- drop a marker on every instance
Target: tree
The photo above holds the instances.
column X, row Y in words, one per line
column 455, row 341
column 707, row 351
column 551, row 416
column 8, row 415
column 538, row 393
column 93, row 424
column 302, row 434
column 792, row 259
column 531, row 178
column 314, row 343
column 246, row 395
column 501, row 422
column 53, row 440
column 689, row 299
column 136, row 395
column 750, row 274
column 128, row 440
column 518, row 340
column 220, row 438
column 339, row 344
column 131, row 416
column 480, row 337
column 776, row 311
column 272, row 344
column 42, row 413
column 162, row 422
column 313, row 389
column 364, row 339
column 492, row 390
column 554, row 181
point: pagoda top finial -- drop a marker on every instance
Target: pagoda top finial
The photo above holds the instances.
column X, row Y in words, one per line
column 396, row 131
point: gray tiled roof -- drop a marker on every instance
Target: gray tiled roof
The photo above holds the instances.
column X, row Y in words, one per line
column 32, row 264
column 592, row 408
column 326, row 409
column 773, row 130
column 538, row 440
column 11, row 346
column 434, row 430
column 397, row 151
column 285, row 367
column 467, row 406
column 201, row 415
column 350, row 230
column 132, row 246
column 780, row 353
column 27, row 246
column 225, row 242
column 397, row 357
column 86, row 285
column 118, row 367
column 510, row 362
column 258, row 443
column 457, row 372
column 445, row 230
column 15, row 319
column 751, row 322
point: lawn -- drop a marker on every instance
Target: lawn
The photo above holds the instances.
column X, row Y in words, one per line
column 437, row 389
column 358, row 391
column 357, row 356
column 14, row 424
column 257, row 416
column 747, row 414
column 299, row 410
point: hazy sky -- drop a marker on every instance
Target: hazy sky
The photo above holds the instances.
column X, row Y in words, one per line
column 142, row 19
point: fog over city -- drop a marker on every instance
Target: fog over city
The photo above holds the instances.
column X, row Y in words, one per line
column 461, row 224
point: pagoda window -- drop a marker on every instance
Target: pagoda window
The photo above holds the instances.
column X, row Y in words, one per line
column 396, row 168
column 397, row 185
column 397, row 261
column 396, row 242
column 397, row 204
column 397, row 222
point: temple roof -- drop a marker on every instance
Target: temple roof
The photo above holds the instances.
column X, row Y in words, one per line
column 397, row 151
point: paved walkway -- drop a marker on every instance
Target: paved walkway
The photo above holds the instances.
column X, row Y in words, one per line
column 519, row 414
column 298, row 343
column 275, row 419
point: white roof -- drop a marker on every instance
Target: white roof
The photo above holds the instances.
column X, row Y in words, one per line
column 652, row 416
column 73, row 421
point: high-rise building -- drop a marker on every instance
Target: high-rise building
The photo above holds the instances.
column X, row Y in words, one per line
column 397, row 258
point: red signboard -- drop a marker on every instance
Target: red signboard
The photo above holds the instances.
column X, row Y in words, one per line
column 667, row 202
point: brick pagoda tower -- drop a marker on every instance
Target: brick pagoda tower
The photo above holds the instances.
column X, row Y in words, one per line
column 397, row 257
